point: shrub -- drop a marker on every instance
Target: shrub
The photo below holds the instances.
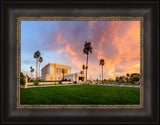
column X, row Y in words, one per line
column 64, row 80
column 36, row 83
column 104, row 80
column 60, row 82
column 122, row 81
column 31, row 80
column 75, row 82
column 22, row 79
column 39, row 80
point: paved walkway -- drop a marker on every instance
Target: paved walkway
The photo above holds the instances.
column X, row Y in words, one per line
column 51, row 85
column 91, row 84
column 122, row 85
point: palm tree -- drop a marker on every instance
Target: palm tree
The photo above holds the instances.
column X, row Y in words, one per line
column 40, row 61
column 102, row 64
column 87, row 49
column 127, row 74
column 63, row 71
column 127, row 77
column 31, row 70
column 83, row 67
column 36, row 55
column 81, row 72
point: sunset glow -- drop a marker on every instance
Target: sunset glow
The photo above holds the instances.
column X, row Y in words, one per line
column 117, row 42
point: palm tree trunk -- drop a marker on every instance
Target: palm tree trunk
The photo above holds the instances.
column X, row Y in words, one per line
column 39, row 69
column 102, row 74
column 63, row 76
column 86, row 67
column 36, row 66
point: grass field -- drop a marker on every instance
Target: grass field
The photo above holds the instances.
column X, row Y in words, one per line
column 80, row 94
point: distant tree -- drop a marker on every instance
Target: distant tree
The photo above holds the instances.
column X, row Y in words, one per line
column 86, row 50
column 104, row 80
column 127, row 74
column 121, row 79
column 81, row 72
column 127, row 77
column 135, row 77
column 117, row 79
column 83, row 67
column 22, row 79
column 63, row 72
column 36, row 55
column 134, row 74
column 31, row 70
column 40, row 61
column 102, row 64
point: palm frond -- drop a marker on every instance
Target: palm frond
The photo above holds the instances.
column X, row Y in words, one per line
column 102, row 62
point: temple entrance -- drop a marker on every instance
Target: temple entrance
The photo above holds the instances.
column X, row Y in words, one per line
column 81, row 78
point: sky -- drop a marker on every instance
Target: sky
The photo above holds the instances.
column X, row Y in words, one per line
column 117, row 42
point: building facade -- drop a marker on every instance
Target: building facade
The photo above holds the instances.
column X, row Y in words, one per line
column 75, row 77
column 53, row 71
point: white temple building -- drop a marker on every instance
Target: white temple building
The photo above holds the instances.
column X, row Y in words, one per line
column 53, row 72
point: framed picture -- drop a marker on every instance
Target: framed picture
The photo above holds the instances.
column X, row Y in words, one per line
column 68, row 48
column 80, row 62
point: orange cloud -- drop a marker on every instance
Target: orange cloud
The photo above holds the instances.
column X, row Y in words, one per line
column 69, row 50
column 60, row 39
column 117, row 42
column 60, row 51
column 123, row 46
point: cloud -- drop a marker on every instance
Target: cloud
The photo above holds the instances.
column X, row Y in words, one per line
column 117, row 42
column 60, row 38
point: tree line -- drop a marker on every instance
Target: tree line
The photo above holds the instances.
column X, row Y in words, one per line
column 129, row 78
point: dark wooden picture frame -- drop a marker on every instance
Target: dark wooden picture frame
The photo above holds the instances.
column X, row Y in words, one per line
column 12, row 10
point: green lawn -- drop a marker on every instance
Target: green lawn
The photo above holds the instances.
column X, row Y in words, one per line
column 80, row 94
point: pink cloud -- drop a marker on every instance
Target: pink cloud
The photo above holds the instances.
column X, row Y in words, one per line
column 117, row 42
